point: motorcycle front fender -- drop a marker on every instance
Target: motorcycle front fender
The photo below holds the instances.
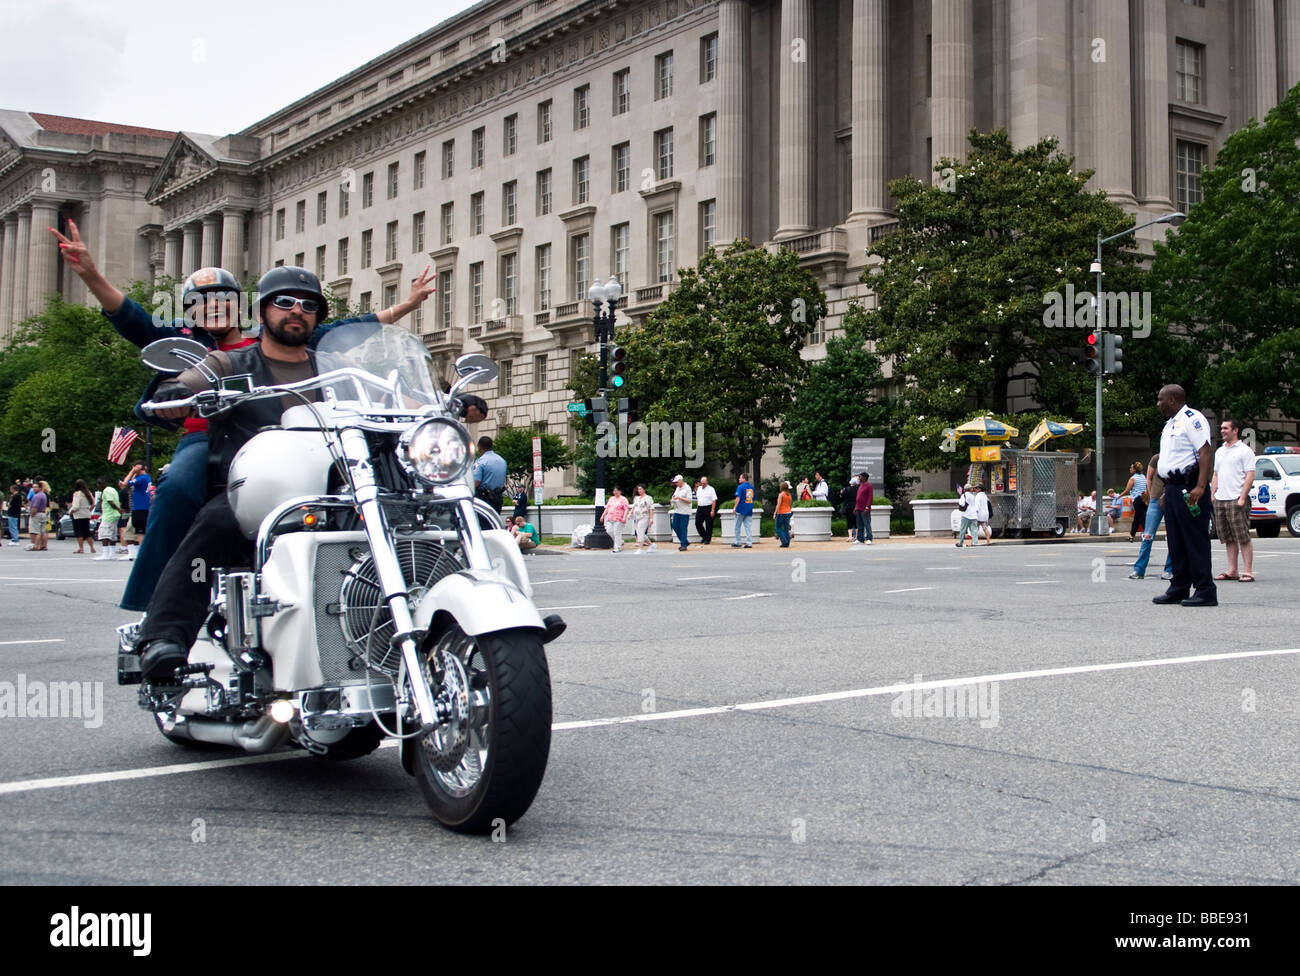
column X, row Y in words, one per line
column 482, row 602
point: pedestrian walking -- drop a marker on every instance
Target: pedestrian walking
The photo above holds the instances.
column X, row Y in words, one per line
column 706, row 509
column 643, row 513
column 983, row 512
column 1234, row 473
column 14, row 512
column 110, row 516
column 615, row 517
column 1185, row 465
column 783, row 514
column 37, row 514
column 744, row 513
column 969, row 523
column 862, row 501
column 83, row 505
column 1155, row 512
column 681, row 517
column 1136, row 489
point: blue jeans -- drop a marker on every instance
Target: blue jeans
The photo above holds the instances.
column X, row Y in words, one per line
column 680, row 525
column 783, row 529
column 748, row 522
column 13, row 528
column 179, row 496
column 1155, row 512
column 864, row 525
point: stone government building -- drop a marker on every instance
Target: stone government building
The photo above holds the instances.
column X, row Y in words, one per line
column 525, row 147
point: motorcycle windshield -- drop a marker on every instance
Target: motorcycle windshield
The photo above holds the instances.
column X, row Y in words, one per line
column 388, row 352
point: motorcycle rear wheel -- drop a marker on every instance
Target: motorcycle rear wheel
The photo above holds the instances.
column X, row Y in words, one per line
column 481, row 773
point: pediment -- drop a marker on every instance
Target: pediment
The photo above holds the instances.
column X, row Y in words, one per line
column 185, row 161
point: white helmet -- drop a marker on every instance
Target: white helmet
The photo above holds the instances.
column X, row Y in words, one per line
column 273, row 467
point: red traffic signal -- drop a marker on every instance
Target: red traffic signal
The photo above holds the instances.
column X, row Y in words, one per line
column 1092, row 354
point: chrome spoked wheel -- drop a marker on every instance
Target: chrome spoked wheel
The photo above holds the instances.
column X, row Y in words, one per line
column 458, row 750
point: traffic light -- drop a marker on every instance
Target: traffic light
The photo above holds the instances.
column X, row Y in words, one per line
column 597, row 410
column 618, row 365
column 1091, row 354
column 1112, row 359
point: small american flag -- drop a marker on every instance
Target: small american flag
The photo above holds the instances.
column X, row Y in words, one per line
column 123, row 438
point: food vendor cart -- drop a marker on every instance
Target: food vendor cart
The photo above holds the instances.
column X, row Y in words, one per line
column 1029, row 491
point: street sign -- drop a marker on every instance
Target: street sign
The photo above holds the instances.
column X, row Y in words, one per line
column 578, row 408
column 537, row 469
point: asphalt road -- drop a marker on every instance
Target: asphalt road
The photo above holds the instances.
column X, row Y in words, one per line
column 736, row 717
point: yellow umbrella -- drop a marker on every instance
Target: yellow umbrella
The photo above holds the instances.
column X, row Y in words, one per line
column 984, row 429
column 1048, row 429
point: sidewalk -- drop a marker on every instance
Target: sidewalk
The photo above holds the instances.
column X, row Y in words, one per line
column 842, row 543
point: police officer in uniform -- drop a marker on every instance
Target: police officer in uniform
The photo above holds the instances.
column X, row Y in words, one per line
column 1186, row 463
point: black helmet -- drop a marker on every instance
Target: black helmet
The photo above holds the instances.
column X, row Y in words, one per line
column 280, row 281
column 206, row 280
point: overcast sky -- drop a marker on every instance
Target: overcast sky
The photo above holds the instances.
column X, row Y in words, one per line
column 212, row 67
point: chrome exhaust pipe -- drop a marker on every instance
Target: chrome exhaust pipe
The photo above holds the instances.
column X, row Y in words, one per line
column 258, row 735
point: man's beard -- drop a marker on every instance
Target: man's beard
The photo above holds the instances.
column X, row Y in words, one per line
column 284, row 337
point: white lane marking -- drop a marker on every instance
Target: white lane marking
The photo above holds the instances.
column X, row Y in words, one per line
column 942, row 569
column 747, row 596
column 683, row 579
column 911, row 589
column 832, row 572
column 909, row 686
column 1039, row 565
column 46, row 640
column 84, row 779
column 28, row 580
column 1035, row 582
column 584, row 606
column 544, row 582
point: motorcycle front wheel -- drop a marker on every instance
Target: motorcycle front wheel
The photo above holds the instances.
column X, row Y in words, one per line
column 481, row 770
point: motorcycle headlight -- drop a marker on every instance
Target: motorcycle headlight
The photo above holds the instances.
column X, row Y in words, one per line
column 437, row 451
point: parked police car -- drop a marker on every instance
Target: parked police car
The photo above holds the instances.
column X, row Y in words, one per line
column 1275, row 495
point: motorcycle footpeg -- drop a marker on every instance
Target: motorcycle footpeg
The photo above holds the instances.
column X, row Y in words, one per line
column 128, row 668
column 555, row 626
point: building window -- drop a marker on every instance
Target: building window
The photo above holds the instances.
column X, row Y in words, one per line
column 581, row 179
column 505, row 380
column 708, row 138
column 508, row 134
column 417, row 172
column 390, row 296
column 622, row 166
column 1189, row 71
column 476, row 214
column 300, row 217
column 543, row 277
column 622, row 91
column 320, row 261
column 619, row 248
column 343, row 256
column 581, row 106
column 390, row 241
column 818, row 334
column 539, row 373
column 543, row 192
column 1194, row 3
column 345, row 194
column 392, row 181
column 579, row 265
column 664, row 154
column 300, row 259
column 544, row 122
column 664, row 246
column 279, row 263
column 417, row 320
column 509, row 194
column 444, row 299
column 367, row 239
column 476, row 140
column 367, row 190
column 365, row 302
column 417, row 232
column 664, row 75
column 708, row 58
column 449, row 159
column 448, row 222
column 1190, row 161
column 279, row 224
column 476, row 292
column 322, row 202
column 708, row 224
column 510, row 282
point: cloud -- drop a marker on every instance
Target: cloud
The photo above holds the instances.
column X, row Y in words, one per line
column 73, row 69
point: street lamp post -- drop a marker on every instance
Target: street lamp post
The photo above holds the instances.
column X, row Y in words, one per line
column 603, row 324
column 1100, row 524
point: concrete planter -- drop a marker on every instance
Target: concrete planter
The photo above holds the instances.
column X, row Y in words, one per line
column 561, row 520
column 933, row 516
column 728, row 519
column 811, row 524
column 880, row 521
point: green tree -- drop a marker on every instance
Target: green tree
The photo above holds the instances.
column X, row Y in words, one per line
column 837, row 405
column 962, row 285
column 1231, row 276
column 515, row 444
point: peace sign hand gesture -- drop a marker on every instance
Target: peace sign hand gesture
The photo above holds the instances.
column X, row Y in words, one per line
column 421, row 288
column 75, row 252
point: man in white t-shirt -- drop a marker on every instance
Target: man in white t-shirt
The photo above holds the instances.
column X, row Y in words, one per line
column 981, row 511
column 706, row 509
column 1234, row 473
column 681, row 516
column 821, row 490
column 966, row 504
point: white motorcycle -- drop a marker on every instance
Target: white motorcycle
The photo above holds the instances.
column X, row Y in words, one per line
column 384, row 600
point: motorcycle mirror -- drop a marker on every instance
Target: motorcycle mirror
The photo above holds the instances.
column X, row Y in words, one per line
column 475, row 369
column 173, row 355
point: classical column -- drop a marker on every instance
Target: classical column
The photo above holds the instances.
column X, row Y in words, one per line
column 1039, row 72
column 1107, row 75
column 211, row 240
column 733, row 120
column 7, row 272
column 870, row 195
column 190, row 249
column 1288, row 29
column 172, row 253
column 22, row 240
column 1151, row 104
column 232, row 242
column 1258, row 58
column 42, row 256
column 6, row 245
column 952, row 64
column 795, row 182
